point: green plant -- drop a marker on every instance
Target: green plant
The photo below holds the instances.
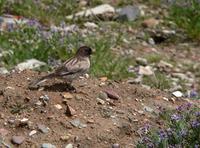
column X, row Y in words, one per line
column 153, row 58
column 159, row 81
column 27, row 42
column 187, row 17
column 181, row 129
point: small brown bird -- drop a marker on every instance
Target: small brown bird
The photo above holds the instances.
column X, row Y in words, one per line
column 70, row 69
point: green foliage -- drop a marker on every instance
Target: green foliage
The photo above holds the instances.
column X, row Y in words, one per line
column 187, row 17
column 159, row 81
column 26, row 43
column 46, row 11
column 153, row 58
column 181, row 129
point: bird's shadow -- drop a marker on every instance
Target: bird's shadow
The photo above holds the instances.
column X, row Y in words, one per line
column 57, row 87
column 60, row 87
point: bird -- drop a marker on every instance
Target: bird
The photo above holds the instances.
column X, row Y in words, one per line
column 71, row 69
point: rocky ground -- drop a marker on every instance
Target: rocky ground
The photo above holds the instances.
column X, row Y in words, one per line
column 101, row 113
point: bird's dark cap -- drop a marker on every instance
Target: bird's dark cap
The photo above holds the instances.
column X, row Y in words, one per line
column 84, row 51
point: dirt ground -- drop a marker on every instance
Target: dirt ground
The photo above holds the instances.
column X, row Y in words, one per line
column 101, row 122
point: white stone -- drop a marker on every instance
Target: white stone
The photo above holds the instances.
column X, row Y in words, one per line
column 29, row 64
column 58, row 106
column 33, row 132
column 145, row 70
column 105, row 8
column 177, row 94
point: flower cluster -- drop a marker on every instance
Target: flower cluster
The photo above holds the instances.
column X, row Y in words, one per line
column 181, row 128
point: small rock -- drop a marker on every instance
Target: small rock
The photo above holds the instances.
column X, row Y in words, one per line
column 103, row 95
column 38, row 103
column 29, row 64
column 33, row 132
column 90, row 25
column 150, row 22
column 100, row 101
column 116, row 145
column 129, row 13
column 58, row 106
column 145, row 70
column 103, row 79
column 45, row 98
column 65, row 137
column 151, row 41
column 77, row 123
column 43, row 128
column 70, row 111
column 67, row 95
column 69, row 146
column 3, row 70
column 137, row 80
column 99, row 10
column 141, row 61
column 148, row 109
column 17, row 139
column 48, row 145
column 180, row 76
column 3, row 132
column 164, row 64
column 177, row 94
column 111, row 94
column 166, row 99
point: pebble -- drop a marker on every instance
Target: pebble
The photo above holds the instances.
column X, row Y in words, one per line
column 100, row 101
column 112, row 94
column 3, row 132
column 103, row 79
column 145, row 70
column 45, row 98
column 58, row 106
column 33, row 132
column 17, row 139
column 70, row 111
column 129, row 13
column 67, row 96
column 148, row 109
column 43, row 128
column 48, row 145
column 116, row 145
column 141, row 61
column 69, row 146
column 77, row 123
column 103, row 95
column 65, row 137
column 150, row 22
column 177, row 94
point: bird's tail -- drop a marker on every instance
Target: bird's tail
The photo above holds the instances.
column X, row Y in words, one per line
column 35, row 83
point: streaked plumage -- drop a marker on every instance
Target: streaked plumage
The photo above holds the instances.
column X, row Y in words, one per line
column 71, row 69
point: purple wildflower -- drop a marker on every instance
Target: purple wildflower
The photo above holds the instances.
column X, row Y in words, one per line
column 162, row 134
column 193, row 94
column 150, row 145
column 169, row 132
column 183, row 132
column 195, row 124
column 197, row 114
column 146, row 140
column 175, row 117
column 184, row 107
column 196, row 146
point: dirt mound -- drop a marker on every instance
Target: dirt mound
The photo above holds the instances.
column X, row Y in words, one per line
column 85, row 118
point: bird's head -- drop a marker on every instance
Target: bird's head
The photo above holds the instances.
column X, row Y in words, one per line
column 84, row 51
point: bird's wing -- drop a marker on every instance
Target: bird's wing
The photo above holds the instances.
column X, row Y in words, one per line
column 71, row 66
